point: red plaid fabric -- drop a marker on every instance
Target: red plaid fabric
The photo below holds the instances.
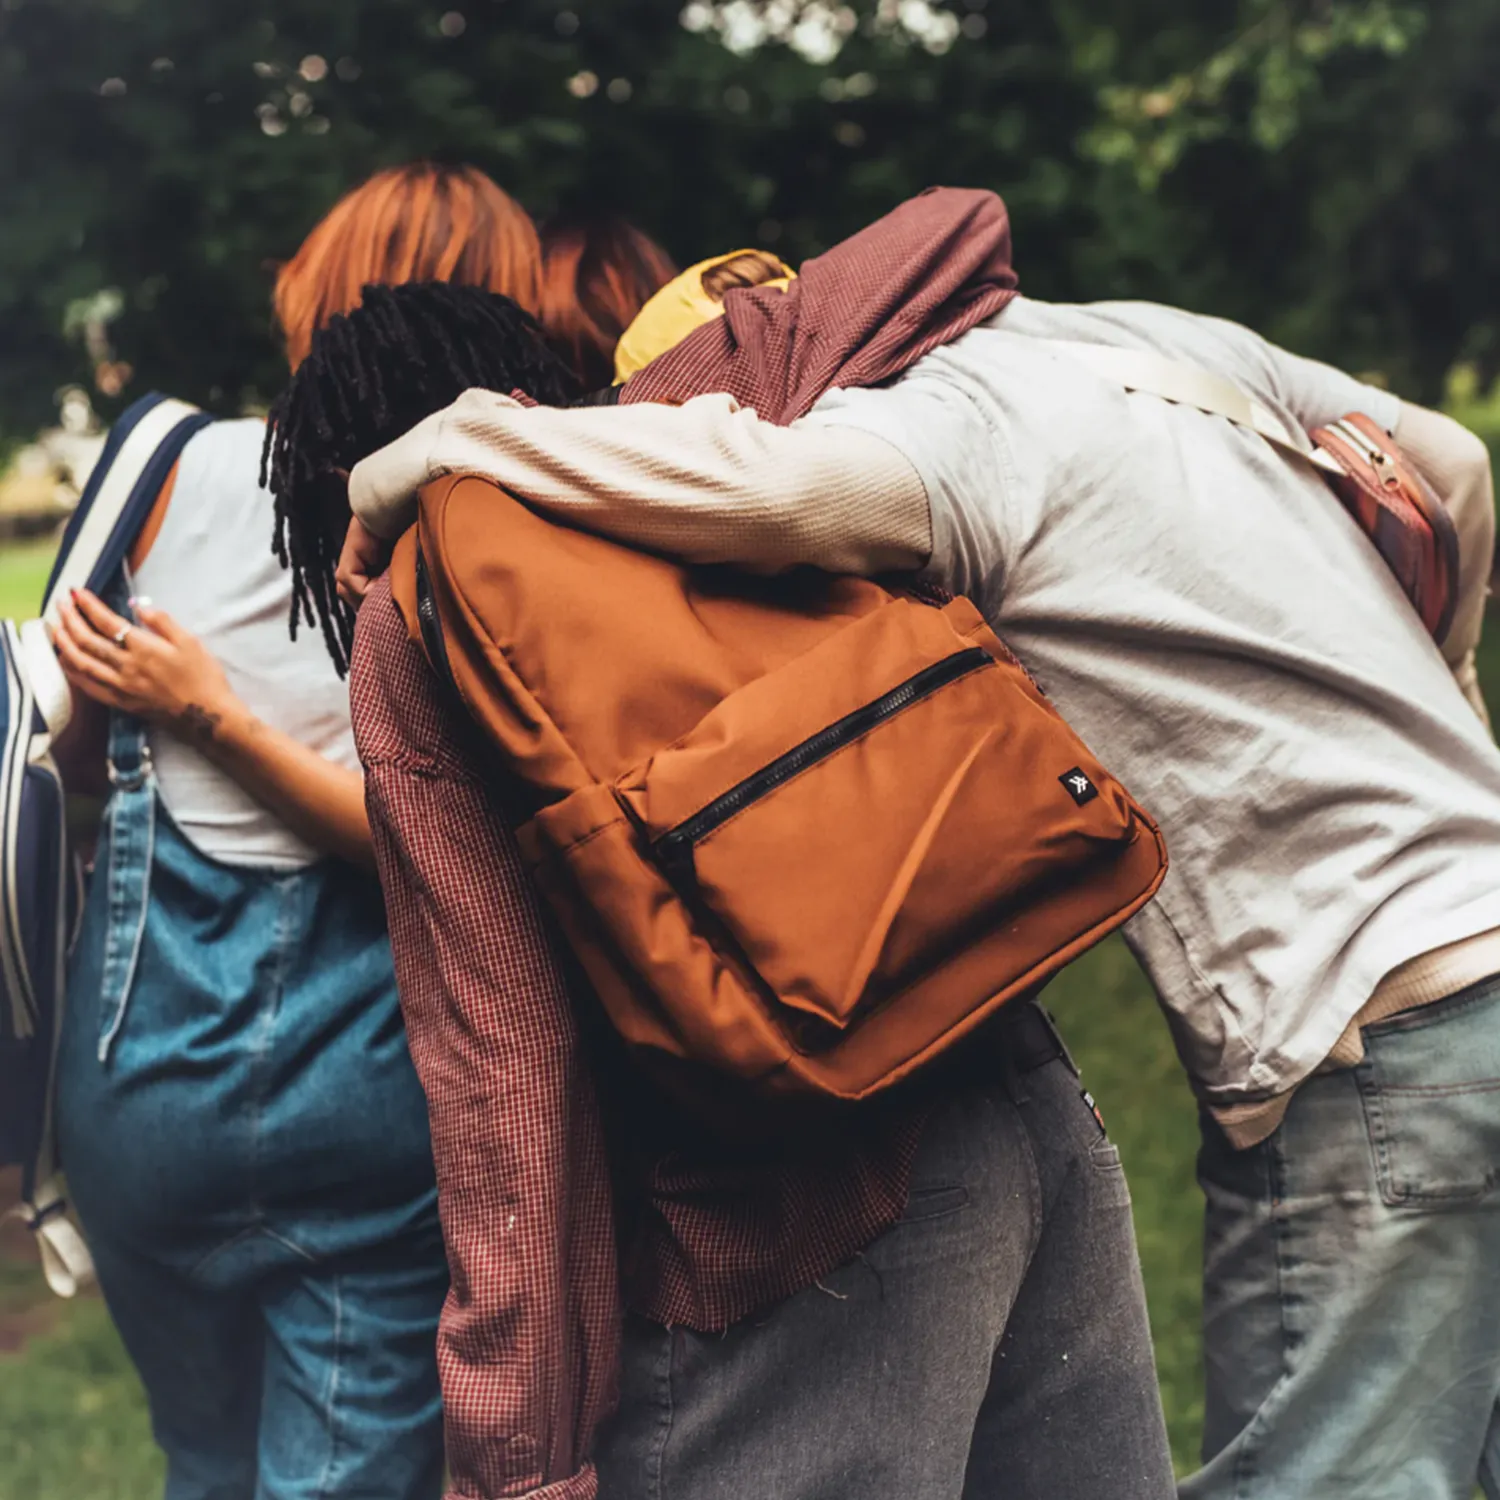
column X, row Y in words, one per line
column 528, row 1340
column 862, row 313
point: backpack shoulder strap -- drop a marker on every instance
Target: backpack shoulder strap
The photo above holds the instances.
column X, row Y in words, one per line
column 1191, row 385
column 138, row 455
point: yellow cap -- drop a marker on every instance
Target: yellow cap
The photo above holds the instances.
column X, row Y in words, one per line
column 674, row 312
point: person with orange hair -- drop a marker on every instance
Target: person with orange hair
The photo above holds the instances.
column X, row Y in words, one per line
column 246, row 1139
column 420, row 222
column 597, row 274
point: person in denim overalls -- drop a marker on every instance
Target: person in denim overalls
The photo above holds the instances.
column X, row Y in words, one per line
column 244, row 1134
column 245, row 1137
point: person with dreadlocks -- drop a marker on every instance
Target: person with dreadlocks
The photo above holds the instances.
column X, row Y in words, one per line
column 406, row 352
column 247, row 1141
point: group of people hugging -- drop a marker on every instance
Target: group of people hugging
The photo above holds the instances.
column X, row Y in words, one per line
column 382, row 1206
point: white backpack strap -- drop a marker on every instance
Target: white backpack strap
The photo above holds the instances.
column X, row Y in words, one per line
column 54, row 695
column 139, row 455
column 1190, row 385
column 106, row 500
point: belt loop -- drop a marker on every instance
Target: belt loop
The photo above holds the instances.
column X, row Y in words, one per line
column 1013, row 1078
column 1050, row 1021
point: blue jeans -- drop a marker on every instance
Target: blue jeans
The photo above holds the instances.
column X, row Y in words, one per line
column 246, row 1143
column 993, row 1345
column 1352, row 1276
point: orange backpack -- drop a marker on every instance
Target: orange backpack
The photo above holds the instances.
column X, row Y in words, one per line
column 805, row 831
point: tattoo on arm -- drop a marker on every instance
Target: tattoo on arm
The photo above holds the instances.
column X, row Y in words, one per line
column 197, row 724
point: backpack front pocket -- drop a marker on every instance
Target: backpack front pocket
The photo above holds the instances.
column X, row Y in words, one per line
column 853, row 819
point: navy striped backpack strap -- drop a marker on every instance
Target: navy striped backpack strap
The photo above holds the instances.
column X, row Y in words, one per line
column 39, row 879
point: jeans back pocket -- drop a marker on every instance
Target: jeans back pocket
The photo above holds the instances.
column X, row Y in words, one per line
column 1430, row 1084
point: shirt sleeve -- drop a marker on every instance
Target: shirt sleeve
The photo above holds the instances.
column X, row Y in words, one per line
column 528, row 1340
column 965, row 466
column 1314, row 394
column 1457, row 465
column 707, row 481
column 1452, row 460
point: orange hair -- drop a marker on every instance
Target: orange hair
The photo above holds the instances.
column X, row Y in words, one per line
column 421, row 222
column 596, row 276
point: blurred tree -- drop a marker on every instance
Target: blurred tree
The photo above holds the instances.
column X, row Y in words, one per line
column 1317, row 168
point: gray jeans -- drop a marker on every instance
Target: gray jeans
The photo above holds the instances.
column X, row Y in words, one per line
column 993, row 1345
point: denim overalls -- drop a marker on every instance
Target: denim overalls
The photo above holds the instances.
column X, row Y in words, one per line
column 246, row 1142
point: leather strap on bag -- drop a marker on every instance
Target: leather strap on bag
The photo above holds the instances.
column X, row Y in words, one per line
column 1364, row 466
column 1190, row 385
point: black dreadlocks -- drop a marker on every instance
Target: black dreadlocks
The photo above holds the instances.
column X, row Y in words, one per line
column 371, row 375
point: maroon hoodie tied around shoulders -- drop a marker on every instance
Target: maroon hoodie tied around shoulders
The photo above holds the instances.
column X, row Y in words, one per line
column 857, row 315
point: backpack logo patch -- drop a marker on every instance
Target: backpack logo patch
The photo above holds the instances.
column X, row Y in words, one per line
column 1078, row 786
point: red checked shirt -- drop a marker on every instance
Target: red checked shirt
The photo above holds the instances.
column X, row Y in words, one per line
column 529, row 1338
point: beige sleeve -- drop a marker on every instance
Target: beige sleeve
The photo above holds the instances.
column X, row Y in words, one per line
column 1457, row 466
column 706, row 481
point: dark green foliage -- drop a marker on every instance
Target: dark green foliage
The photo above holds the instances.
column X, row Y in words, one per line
column 1319, row 168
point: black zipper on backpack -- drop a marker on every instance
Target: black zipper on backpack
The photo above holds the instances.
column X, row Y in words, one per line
column 432, row 629
column 674, row 849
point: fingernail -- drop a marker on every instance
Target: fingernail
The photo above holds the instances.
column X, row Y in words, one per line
column 144, row 602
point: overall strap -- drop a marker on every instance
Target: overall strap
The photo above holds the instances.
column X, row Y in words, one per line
column 125, row 882
column 130, row 828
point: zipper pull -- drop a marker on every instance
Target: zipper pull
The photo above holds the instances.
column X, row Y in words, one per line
column 675, row 856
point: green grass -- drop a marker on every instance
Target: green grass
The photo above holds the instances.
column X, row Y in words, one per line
column 23, row 575
column 72, row 1418
column 1476, row 408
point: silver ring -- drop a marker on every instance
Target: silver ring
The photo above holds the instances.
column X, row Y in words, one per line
column 120, row 635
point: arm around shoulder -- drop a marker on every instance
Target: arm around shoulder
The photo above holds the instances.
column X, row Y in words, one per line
column 707, row 481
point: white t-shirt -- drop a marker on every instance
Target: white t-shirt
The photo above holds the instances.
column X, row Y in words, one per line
column 212, row 569
column 1207, row 617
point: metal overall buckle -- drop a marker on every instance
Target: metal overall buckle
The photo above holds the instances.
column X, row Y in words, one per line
column 134, row 779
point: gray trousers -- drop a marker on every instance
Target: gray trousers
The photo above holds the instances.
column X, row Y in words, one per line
column 993, row 1345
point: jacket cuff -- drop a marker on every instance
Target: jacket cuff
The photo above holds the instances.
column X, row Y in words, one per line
column 584, row 1485
column 383, row 487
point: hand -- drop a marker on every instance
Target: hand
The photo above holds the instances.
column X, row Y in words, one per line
column 155, row 670
column 362, row 561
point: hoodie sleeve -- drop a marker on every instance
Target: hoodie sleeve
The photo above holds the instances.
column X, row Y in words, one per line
column 707, row 481
column 528, row 1340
